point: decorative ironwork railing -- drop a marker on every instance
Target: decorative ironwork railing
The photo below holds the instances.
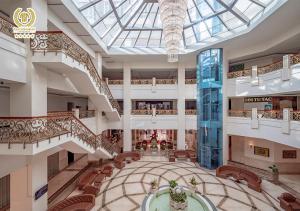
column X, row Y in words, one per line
column 87, row 114
column 6, row 27
column 111, row 145
column 150, row 112
column 166, row 81
column 141, row 81
column 115, row 82
column 32, row 130
column 191, row 81
column 272, row 114
column 294, row 59
column 190, row 112
column 295, row 115
column 60, row 42
column 240, row 113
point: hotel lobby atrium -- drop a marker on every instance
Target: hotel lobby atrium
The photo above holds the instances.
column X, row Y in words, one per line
column 149, row 105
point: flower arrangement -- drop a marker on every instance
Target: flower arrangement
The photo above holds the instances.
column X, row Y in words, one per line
column 173, row 184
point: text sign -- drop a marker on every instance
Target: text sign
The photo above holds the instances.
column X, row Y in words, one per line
column 257, row 99
column 38, row 194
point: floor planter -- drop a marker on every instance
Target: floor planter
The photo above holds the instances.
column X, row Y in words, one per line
column 275, row 178
column 175, row 206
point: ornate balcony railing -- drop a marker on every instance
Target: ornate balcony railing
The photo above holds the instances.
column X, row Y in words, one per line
column 240, row 113
column 60, row 42
column 6, row 27
column 166, row 81
column 295, row 115
column 294, row 59
column 191, row 81
column 32, row 130
column 87, row 114
column 111, row 145
column 150, row 112
column 190, row 112
column 115, row 82
column 141, row 81
column 272, row 114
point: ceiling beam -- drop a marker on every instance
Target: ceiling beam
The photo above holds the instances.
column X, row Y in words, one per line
column 237, row 13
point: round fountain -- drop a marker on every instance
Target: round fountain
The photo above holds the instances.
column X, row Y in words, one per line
column 178, row 198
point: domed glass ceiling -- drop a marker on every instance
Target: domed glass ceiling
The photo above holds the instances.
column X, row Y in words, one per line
column 131, row 24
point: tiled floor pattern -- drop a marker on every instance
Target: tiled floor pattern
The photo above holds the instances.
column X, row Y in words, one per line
column 127, row 188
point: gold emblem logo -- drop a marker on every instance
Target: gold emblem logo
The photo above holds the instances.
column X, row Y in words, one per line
column 24, row 21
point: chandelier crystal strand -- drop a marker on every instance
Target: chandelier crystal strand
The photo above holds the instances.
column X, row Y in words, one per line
column 172, row 15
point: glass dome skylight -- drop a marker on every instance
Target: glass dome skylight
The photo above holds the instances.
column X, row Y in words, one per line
column 136, row 23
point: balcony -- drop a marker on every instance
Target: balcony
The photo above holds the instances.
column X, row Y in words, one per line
column 32, row 135
column 59, row 53
column 153, row 112
column 275, row 125
column 13, row 55
column 279, row 77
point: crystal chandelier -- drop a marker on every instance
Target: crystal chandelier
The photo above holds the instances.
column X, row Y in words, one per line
column 172, row 15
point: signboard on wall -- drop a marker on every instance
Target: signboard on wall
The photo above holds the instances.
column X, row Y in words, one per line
column 39, row 193
column 257, row 99
column 289, row 154
column 261, row 151
column 236, row 67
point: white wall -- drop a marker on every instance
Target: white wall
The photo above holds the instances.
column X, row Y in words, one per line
column 4, row 102
column 59, row 103
column 243, row 152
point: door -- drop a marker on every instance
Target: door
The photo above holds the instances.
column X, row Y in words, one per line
column 70, row 157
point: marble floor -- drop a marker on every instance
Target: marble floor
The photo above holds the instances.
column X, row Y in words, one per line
column 127, row 188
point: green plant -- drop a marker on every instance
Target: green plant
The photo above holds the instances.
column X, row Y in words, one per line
column 193, row 181
column 154, row 183
column 178, row 197
column 274, row 169
column 173, row 183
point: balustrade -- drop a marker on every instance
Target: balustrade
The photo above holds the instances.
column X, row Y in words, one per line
column 295, row 115
column 150, row 112
column 60, row 42
column 115, row 82
column 240, row 113
column 190, row 112
column 32, row 130
column 191, row 81
column 141, row 81
column 294, row 59
column 261, row 114
column 6, row 27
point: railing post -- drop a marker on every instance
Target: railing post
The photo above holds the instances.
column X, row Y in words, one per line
column 76, row 112
column 254, row 119
column 285, row 126
column 285, row 72
column 254, row 77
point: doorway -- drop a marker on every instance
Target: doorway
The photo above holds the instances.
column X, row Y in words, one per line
column 71, row 158
column 70, row 106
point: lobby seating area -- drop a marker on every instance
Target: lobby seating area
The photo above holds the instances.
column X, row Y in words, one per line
column 121, row 158
column 182, row 154
column 254, row 181
column 289, row 202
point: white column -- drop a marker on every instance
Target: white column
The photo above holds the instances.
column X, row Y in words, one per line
column 24, row 183
column 181, row 108
column 225, row 109
column 127, row 108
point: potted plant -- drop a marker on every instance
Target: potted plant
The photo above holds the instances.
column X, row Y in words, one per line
column 275, row 173
column 193, row 183
column 154, row 185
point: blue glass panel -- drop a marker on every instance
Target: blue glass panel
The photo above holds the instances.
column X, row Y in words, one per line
column 209, row 106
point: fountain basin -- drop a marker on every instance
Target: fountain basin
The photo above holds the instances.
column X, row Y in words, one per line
column 160, row 201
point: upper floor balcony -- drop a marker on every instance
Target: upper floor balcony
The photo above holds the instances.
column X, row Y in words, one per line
column 59, row 53
column 13, row 54
column 153, row 88
column 278, row 77
column 281, row 126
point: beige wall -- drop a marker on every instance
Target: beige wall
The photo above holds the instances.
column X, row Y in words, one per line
column 242, row 152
